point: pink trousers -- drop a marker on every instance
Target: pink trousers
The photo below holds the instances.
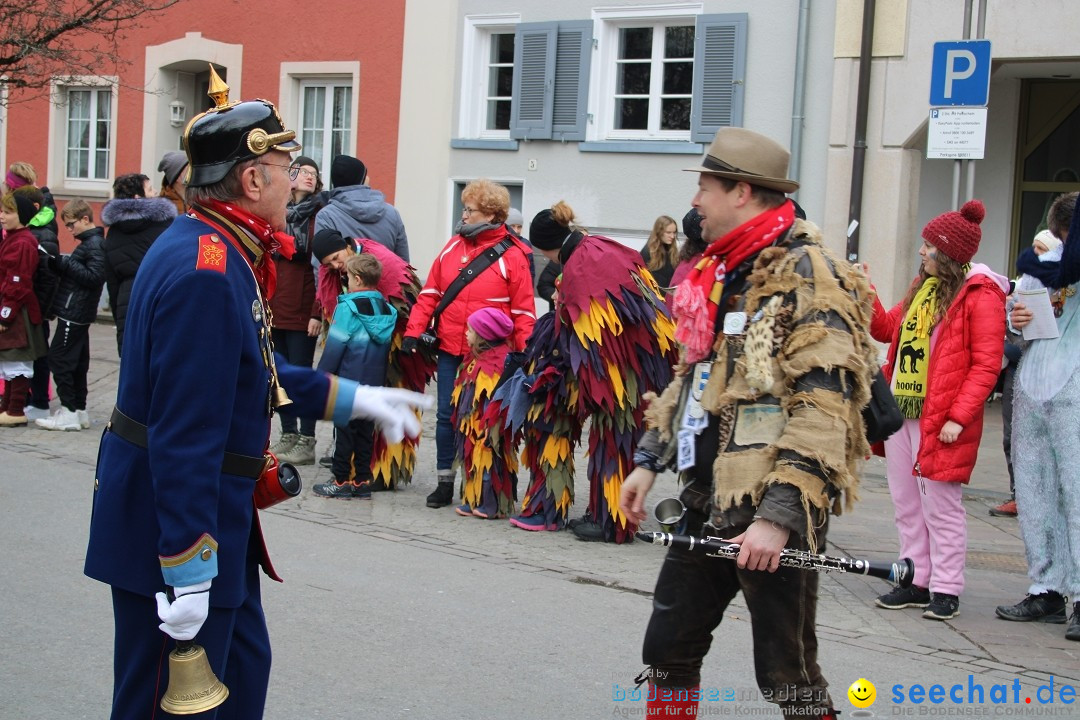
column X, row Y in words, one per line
column 929, row 516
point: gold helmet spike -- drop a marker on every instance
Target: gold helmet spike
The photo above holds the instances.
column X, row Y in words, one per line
column 218, row 91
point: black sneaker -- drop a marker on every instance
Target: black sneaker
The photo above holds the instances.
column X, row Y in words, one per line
column 443, row 495
column 899, row 598
column 588, row 531
column 332, row 489
column 1073, row 631
column 586, row 519
column 942, row 607
column 1047, row 607
column 326, row 461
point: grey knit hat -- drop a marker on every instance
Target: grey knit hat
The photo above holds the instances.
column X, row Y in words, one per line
column 172, row 164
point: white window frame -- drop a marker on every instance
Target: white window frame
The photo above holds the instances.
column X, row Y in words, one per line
column 605, row 75
column 330, row 85
column 295, row 77
column 58, row 137
column 475, row 61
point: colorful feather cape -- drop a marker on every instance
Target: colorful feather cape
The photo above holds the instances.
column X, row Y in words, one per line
column 611, row 341
column 485, row 447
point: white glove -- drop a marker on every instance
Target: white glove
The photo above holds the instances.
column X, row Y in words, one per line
column 184, row 616
column 392, row 409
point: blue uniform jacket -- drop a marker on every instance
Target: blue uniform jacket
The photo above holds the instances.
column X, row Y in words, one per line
column 193, row 372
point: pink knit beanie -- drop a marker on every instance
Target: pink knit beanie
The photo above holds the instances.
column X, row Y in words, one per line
column 491, row 324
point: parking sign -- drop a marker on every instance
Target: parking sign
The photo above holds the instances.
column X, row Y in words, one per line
column 960, row 75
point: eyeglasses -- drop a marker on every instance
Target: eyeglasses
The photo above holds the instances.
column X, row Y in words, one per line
column 293, row 170
column 70, row 225
column 306, row 171
column 468, row 210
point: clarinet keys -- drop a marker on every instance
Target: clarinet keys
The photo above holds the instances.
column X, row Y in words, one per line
column 899, row 572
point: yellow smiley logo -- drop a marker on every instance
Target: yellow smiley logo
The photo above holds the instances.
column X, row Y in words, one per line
column 862, row 693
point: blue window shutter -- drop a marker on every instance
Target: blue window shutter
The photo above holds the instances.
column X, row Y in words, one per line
column 534, row 80
column 719, row 71
column 572, row 59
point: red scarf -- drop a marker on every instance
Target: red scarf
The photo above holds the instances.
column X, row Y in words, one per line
column 698, row 298
column 270, row 242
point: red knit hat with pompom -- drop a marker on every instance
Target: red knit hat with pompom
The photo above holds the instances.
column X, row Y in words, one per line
column 957, row 234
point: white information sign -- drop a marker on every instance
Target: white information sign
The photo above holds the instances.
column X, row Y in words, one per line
column 957, row 133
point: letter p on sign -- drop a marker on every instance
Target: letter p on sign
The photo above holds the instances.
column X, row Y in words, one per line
column 960, row 75
column 953, row 71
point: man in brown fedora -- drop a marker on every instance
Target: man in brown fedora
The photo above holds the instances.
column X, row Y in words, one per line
column 763, row 423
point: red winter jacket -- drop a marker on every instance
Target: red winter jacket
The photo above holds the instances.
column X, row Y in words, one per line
column 18, row 262
column 962, row 371
column 505, row 285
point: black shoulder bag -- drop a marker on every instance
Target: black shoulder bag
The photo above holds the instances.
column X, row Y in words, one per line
column 882, row 415
column 429, row 339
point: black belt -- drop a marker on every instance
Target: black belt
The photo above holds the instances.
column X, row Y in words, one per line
column 233, row 464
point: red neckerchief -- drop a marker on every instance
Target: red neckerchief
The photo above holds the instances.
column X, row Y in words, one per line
column 270, row 242
column 698, row 297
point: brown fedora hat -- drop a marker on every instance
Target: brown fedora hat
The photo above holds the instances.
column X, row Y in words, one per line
column 744, row 155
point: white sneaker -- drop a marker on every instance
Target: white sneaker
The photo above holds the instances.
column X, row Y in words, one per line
column 84, row 419
column 64, row 419
column 34, row 414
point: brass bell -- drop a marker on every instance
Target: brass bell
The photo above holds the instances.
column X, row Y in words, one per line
column 281, row 398
column 193, row 686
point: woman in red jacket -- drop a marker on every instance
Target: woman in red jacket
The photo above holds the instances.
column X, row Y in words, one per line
column 21, row 338
column 505, row 285
column 946, row 340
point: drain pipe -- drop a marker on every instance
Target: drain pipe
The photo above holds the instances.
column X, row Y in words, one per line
column 980, row 33
column 862, row 102
column 799, row 101
column 960, row 165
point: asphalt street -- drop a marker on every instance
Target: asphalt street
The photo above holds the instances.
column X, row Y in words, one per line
column 392, row 610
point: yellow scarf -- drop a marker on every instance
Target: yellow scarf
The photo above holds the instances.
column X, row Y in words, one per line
column 913, row 354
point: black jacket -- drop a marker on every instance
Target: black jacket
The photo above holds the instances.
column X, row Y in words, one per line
column 46, row 238
column 545, row 285
column 46, row 279
column 663, row 274
column 133, row 225
column 82, row 273
column 50, row 203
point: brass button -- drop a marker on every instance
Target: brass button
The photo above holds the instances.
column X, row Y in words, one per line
column 206, row 554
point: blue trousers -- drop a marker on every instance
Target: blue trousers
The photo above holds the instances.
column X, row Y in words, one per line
column 445, row 444
column 236, row 643
column 298, row 348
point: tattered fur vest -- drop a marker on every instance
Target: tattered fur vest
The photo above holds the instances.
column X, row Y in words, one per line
column 780, row 422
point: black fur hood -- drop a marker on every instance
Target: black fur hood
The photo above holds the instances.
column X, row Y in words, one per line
column 155, row 209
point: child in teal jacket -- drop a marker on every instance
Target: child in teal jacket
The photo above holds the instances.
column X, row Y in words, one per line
column 357, row 347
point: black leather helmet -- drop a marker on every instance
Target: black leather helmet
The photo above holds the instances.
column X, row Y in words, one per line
column 230, row 133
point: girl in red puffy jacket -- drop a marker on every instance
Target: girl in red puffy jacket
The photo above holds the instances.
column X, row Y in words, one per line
column 21, row 338
column 946, row 341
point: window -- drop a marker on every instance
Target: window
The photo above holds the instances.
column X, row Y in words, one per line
column 654, row 73
column 82, row 135
column 487, row 76
column 500, row 81
column 662, row 73
column 89, row 133
column 326, row 120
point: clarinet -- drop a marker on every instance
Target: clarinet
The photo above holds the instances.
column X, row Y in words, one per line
column 901, row 572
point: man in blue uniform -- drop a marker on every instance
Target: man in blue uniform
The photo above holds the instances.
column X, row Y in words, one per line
column 173, row 500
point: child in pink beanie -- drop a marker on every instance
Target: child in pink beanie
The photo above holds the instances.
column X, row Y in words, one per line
column 484, row 448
